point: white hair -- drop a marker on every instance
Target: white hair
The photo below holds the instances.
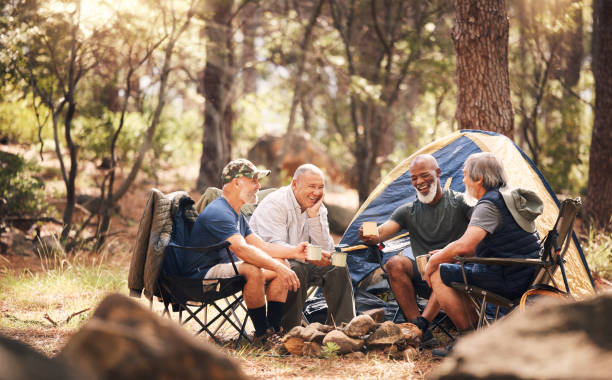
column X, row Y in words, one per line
column 487, row 166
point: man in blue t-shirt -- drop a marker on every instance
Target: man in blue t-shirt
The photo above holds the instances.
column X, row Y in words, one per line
column 258, row 261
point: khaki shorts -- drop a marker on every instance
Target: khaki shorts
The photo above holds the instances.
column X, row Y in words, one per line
column 225, row 270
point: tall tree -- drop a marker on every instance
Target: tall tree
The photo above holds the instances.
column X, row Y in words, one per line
column 217, row 85
column 599, row 201
column 481, row 45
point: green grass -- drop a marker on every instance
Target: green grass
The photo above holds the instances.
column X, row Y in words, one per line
column 53, row 295
column 598, row 252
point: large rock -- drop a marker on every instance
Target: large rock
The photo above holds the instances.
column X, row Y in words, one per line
column 346, row 343
column 552, row 340
column 20, row 362
column 388, row 333
column 123, row 340
column 359, row 326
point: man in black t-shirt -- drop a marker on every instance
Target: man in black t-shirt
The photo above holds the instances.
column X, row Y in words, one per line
column 435, row 219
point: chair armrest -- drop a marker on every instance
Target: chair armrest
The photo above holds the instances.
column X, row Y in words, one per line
column 498, row 261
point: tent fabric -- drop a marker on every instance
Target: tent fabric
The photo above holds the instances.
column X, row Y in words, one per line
column 451, row 152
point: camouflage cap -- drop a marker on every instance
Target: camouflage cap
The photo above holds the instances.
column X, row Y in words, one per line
column 241, row 168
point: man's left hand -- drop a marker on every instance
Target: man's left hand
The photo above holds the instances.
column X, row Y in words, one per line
column 325, row 260
column 314, row 210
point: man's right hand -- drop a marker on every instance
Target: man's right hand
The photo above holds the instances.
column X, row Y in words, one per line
column 370, row 239
column 288, row 277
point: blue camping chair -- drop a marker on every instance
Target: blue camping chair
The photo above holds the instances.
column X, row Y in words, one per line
column 195, row 296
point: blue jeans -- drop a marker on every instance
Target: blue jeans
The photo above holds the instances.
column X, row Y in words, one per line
column 494, row 278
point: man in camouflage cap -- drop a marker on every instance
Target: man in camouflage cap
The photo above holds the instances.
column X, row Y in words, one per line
column 258, row 261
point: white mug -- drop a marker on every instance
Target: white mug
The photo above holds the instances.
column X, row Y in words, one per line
column 314, row 252
column 370, row 229
column 339, row 259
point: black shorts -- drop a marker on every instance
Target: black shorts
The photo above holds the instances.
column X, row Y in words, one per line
column 420, row 286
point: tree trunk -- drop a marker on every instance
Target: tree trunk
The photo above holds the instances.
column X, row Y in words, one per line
column 481, row 44
column 217, row 83
column 72, row 173
column 599, row 201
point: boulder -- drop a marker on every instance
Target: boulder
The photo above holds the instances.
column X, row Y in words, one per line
column 124, row 340
column 18, row 361
column 346, row 343
column 552, row 340
column 378, row 315
column 386, row 334
column 15, row 242
column 359, row 326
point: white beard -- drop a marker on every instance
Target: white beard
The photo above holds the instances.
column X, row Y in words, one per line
column 249, row 198
column 469, row 197
column 427, row 199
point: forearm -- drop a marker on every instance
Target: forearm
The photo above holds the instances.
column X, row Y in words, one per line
column 257, row 257
column 279, row 249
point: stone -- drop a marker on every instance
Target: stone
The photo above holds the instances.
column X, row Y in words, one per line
column 124, row 340
column 357, row 355
column 550, row 340
column 15, row 242
column 388, row 333
column 346, row 343
column 294, row 345
column 393, row 352
column 378, row 315
column 321, row 327
column 359, row 326
column 311, row 334
column 411, row 332
column 294, row 332
column 18, row 361
column 410, row 354
column 311, row 349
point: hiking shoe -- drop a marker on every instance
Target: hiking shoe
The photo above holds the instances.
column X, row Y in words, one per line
column 428, row 340
column 443, row 351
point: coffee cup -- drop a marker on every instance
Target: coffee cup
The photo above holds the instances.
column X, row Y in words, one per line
column 339, row 259
column 314, row 252
column 421, row 262
column 370, row 229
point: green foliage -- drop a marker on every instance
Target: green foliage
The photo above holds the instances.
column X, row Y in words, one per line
column 23, row 192
column 598, row 252
column 330, row 350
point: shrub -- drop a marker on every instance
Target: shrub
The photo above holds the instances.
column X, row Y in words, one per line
column 23, row 193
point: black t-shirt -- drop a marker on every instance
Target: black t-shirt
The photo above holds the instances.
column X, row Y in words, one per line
column 434, row 226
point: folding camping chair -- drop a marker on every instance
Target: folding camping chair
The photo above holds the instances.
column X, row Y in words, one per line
column 551, row 258
column 193, row 296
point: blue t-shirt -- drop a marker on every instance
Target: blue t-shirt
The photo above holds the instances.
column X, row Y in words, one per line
column 215, row 224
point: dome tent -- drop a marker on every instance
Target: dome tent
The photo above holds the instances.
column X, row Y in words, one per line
column 451, row 152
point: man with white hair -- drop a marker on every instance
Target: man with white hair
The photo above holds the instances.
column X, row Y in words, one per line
column 435, row 219
column 296, row 213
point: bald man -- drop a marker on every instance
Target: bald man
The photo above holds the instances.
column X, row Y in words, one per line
column 434, row 220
